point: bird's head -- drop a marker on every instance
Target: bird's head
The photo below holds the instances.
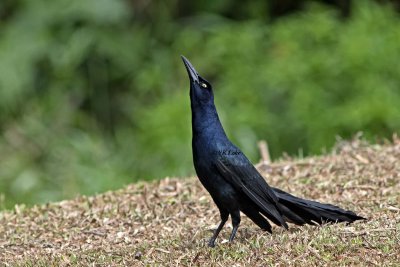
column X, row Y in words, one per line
column 200, row 90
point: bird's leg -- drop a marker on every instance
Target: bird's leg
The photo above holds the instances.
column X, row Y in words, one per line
column 235, row 223
column 224, row 217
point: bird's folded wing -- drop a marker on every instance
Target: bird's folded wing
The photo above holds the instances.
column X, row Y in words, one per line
column 247, row 179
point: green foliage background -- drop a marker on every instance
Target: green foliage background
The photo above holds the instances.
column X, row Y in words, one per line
column 93, row 94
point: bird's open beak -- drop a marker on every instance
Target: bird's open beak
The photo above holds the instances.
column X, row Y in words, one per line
column 194, row 77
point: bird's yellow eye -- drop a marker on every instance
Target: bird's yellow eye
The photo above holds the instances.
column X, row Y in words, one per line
column 203, row 85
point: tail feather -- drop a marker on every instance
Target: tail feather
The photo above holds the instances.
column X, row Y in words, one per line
column 302, row 211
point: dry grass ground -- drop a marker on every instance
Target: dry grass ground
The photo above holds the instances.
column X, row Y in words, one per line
column 167, row 222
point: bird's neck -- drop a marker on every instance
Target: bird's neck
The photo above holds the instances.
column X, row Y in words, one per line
column 205, row 121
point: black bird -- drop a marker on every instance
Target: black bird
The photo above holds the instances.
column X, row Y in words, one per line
column 234, row 183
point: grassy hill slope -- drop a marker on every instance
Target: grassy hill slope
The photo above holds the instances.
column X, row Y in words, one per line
column 168, row 222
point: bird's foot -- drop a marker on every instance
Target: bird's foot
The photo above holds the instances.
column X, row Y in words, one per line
column 211, row 243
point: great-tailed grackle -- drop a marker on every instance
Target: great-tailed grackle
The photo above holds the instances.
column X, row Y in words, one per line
column 234, row 183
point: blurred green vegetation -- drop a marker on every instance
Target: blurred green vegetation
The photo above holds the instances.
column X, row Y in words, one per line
column 93, row 94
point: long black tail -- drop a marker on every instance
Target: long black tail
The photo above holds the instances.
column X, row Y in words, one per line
column 301, row 211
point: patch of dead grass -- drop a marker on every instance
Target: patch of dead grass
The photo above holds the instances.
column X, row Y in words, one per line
column 168, row 222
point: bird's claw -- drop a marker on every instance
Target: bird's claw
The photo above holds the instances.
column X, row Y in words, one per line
column 211, row 243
